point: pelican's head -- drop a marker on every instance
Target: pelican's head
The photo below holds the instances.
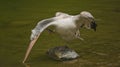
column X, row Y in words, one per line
column 88, row 20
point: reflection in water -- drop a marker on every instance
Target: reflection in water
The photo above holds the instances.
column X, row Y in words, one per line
column 71, row 63
column 26, row 65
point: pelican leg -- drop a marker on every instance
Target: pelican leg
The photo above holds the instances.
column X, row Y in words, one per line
column 80, row 38
column 77, row 35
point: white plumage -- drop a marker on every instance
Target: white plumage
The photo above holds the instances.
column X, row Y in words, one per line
column 65, row 25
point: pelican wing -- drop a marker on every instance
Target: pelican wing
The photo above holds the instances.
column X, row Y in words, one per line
column 36, row 33
column 40, row 27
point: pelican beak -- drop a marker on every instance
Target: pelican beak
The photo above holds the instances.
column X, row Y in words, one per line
column 31, row 44
column 93, row 25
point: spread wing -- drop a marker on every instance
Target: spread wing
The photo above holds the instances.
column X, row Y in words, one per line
column 36, row 33
column 40, row 27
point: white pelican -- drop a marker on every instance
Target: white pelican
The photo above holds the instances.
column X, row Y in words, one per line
column 66, row 25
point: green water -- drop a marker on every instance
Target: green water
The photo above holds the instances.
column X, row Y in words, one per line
column 18, row 17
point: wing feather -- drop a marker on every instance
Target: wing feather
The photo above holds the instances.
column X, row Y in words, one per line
column 41, row 26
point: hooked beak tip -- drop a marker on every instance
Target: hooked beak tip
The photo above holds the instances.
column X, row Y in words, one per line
column 93, row 25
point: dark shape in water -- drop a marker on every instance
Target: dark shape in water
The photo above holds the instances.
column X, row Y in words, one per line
column 62, row 53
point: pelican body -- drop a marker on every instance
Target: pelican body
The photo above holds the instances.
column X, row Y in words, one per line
column 65, row 25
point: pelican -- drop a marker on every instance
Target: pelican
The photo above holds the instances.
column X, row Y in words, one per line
column 65, row 25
